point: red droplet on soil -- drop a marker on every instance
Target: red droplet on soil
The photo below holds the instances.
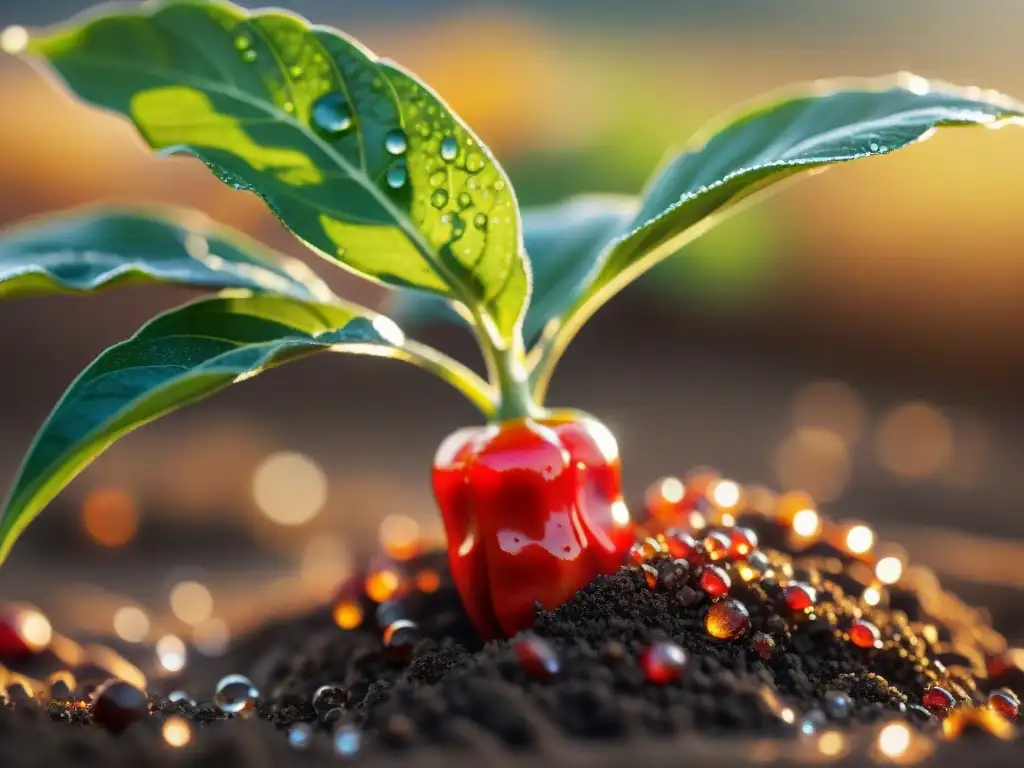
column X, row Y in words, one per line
column 764, row 645
column 1005, row 702
column 937, row 700
column 651, row 574
column 715, row 581
column 681, row 545
column 400, row 637
column 743, row 542
column 727, row 620
column 117, row 704
column 636, row 554
column 538, row 658
column 717, row 545
column 864, row 634
column 799, row 596
column 652, row 547
column 663, row 662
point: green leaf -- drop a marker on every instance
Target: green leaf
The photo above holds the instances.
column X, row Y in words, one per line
column 356, row 157
column 564, row 241
column 177, row 358
column 85, row 251
column 836, row 122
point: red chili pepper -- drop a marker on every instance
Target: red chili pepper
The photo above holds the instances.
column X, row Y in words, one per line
column 533, row 511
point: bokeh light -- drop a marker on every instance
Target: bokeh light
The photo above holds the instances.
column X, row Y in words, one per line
column 177, row 732
column 832, row 744
column 399, row 536
column 131, row 623
column 13, row 39
column 889, row 570
column 860, row 539
column 325, row 562
column 191, row 602
column 872, row 596
column 832, row 406
column 347, row 614
column 109, row 516
column 34, row 629
column 289, row 488
column 171, row 653
column 894, row 740
column 815, row 460
column 725, row 494
column 806, row 523
column 914, row 440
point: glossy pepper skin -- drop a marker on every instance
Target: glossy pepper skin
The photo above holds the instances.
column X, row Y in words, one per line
column 533, row 511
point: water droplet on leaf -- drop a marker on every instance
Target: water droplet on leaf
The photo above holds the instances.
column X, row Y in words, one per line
column 249, row 55
column 439, row 198
column 464, row 200
column 295, row 70
column 242, row 42
column 331, row 115
column 474, row 163
column 437, row 179
column 449, row 148
column 397, row 175
column 480, row 221
column 395, row 142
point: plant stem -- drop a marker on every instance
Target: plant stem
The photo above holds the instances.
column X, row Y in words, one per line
column 515, row 398
column 476, row 390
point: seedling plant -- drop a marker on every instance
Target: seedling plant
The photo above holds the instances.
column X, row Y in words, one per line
column 373, row 172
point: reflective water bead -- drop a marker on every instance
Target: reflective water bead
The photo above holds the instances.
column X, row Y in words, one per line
column 864, row 634
column 464, row 200
column 714, row 581
column 327, row 697
column 537, row 657
column 439, row 198
column 117, row 704
column 181, row 697
column 727, row 620
column 1005, row 702
column 235, row 695
column 249, row 55
column 680, row 544
column 449, row 148
column 764, row 645
column 347, row 740
column 397, row 175
column 651, row 574
column 400, row 638
column 838, row 704
column 299, row 735
column 799, row 596
column 937, row 700
column 242, row 42
column 331, row 115
column 474, row 163
column 743, row 542
column 395, row 142
column 480, row 221
column 717, row 545
column 663, row 662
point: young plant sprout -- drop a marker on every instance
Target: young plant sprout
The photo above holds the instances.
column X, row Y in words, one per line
column 373, row 172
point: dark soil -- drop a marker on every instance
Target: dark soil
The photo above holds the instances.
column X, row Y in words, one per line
column 446, row 699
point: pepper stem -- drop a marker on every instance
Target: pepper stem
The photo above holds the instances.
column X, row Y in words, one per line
column 515, row 398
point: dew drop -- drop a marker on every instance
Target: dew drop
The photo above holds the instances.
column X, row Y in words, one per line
column 397, row 175
column 331, row 115
column 873, row 146
column 464, row 200
column 242, row 42
column 474, row 163
column 249, row 55
column 288, row 107
column 235, row 695
column 449, row 149
column 437, row 179
column 458, row 226
column 439, row 198
column 480, row 221
column 295, row 71
column 395, row 143
column 499, row 185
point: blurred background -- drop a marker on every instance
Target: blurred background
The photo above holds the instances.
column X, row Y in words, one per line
column 860, row 336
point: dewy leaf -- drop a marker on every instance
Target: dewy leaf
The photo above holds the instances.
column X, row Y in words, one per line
column 356, row 158
column 563, row 241
column 87, row 250
column 177, row 358
column 837, row 122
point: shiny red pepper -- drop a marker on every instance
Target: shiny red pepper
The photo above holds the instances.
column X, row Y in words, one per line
column 533, row 511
